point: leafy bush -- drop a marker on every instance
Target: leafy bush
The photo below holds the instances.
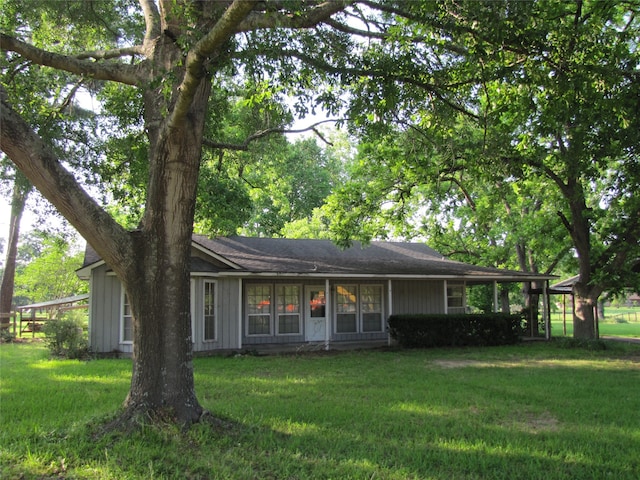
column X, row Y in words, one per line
column 425, row 331
column 65, row 337
column 6, row 336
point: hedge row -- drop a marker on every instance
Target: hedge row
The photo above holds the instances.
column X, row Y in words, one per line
column 423, row 331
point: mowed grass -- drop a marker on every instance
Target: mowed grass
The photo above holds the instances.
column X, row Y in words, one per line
column 531, row 411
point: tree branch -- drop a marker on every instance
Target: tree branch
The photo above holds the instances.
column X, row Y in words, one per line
column 151, row 20
column 432, row 88
column 203, row 50
column 308, row 19
column 127, row 74
column 110, row 54
column 244, row 146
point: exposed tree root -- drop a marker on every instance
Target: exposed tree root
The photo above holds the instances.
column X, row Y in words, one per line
column 132, row 420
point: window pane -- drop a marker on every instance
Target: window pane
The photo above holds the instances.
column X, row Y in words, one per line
column 127, row 321
column 455, row 296
column 317, row 303
column 259, row 325
column 259, row 309
column 259, row 299
column 209, row 311
column 371, row 322
column 346, row 323
column 371, row 305
column 346, row 299
column 288, row 299
column 288, row 324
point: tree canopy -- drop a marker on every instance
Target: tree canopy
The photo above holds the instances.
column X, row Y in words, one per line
column 541, row 157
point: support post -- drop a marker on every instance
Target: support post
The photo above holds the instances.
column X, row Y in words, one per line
column 327, row 314
column 547, row 310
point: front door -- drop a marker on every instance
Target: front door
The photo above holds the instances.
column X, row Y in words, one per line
column 315, row 313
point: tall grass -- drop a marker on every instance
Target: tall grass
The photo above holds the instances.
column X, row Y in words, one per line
column 522, row 412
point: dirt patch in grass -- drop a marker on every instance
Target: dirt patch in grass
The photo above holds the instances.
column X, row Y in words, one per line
column 537, row 423
column 459, row 363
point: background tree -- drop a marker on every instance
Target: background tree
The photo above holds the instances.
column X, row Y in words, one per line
column 19, row 195
column 47, row 268
column 565, row 112
column 552, row 106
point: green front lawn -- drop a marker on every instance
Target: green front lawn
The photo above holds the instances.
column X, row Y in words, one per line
column 523, row 412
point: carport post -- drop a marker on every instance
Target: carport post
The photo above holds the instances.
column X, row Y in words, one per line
column 546, row 310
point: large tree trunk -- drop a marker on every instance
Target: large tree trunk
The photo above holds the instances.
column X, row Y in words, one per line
column 21, row 189
column 584, row 320
column 585, row 296
column 162, row 380
column 159, row 292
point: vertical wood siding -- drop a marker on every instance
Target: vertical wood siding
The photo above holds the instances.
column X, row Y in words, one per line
column 226, row 311
column 104, row 315
column 408, row 296
column 418, row 296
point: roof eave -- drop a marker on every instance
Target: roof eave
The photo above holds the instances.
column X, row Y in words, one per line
column 392, row 276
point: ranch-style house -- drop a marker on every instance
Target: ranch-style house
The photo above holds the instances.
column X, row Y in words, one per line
column 274, row 293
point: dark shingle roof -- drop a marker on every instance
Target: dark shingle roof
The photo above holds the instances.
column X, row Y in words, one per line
column 281, row 256
column 303, row 256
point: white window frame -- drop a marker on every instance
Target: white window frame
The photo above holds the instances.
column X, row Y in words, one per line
column 213, row 285
column 249, row 315
column 461, row 295
column 380, row 288
column 359, row 311
column 277, row 314
column 336, row 312
column 123, row 302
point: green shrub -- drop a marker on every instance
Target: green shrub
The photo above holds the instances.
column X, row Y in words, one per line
column 65, row 337
column 425, row 331
column 6, row 336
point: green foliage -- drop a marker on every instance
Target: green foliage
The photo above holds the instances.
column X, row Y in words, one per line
column 480, row 297
column 315, row 227
column 223, row 204
column 429, row 331
column 65, row 337
column 47, row 271
column 6, row 335
column 288, row 184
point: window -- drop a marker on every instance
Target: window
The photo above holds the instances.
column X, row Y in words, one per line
column 288, row 317
column 126, row 322
column 371, row 307
column 455, row 298
column 359, row 308
column 346, row 309
column 259, row 309
column 288, row 301
column 209, row 311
